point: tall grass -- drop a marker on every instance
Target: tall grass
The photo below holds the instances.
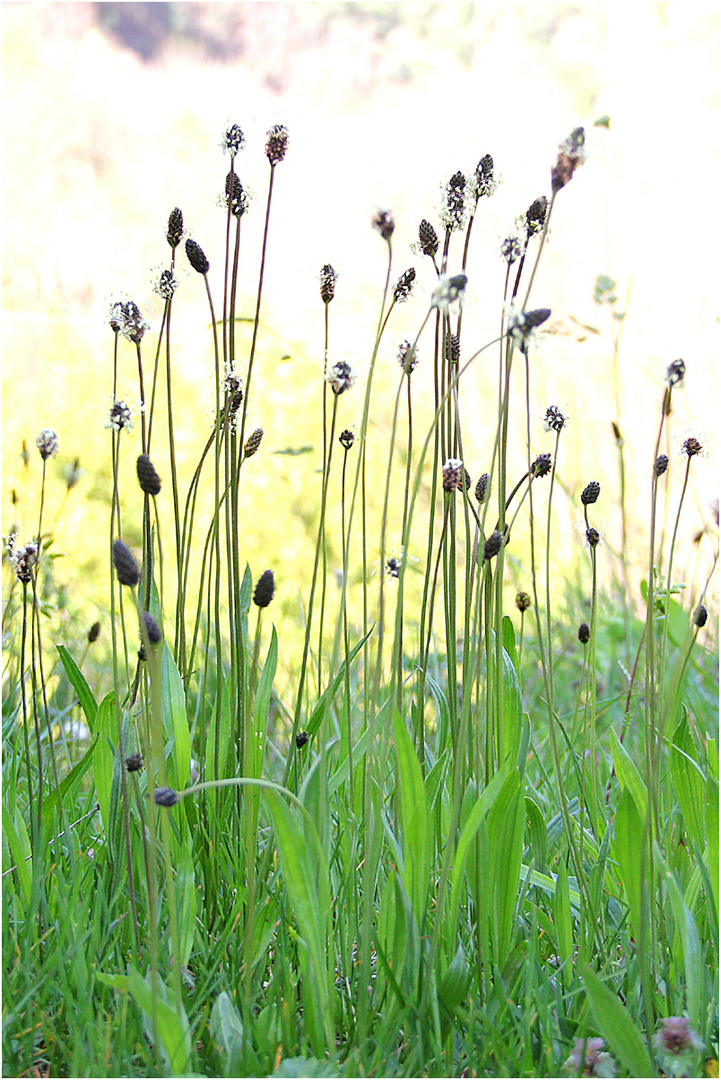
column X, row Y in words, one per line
column 470, row 838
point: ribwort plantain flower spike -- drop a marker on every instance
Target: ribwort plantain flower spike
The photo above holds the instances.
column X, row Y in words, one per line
column 555, row 419
column 590, row 493
column 151, row 628
column 452, row 474
column 700, row 616
column 134, row 763
column 384, row 223
column 541, row 466
column 448, row 290
column 22, row 559
column 584, row 633
column 482, row 488
column 523, row 601
column 276, row 144
column 328, row 278
column 675, row 372
column 126, row 568
column 692, row 446
column 403, row 287
column 93, row 633
column 239, row 200
column 484, row 181
column 493, row 545
column 174, row 233
column 427, row 238
column 232, row 140
column 301, row 739
column 511, row 249
column 148, row 478
column 340, row 377
column 571, row 155
column 347, row 438
column 196, row 257
column 253, row 442
column 166, row 796
column 454, row 211
column 407, row 357
column 47, row 443
column 264, row 589
column 536, row 216
column 523, row 324
column 661, row 464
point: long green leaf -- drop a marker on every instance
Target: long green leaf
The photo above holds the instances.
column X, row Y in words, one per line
column 616, row 1026
column 415, row 820
column 79, row 684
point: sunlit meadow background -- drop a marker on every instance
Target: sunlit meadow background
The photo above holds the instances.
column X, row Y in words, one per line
column 113, row 115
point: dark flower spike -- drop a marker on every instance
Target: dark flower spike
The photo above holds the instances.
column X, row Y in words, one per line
column 264, row 589
column 661, row 464
column 454, row 202
column 393, row 566
column 196, row 257
column 328, row 278
column 384, row 223
column 590, row 493
column 593, row 537
column 692, row 446
column 493, row 545
column 151, row 628
column 175, row 227
column 253, row 442
column 675, row 372
column 93, row 633
column 523, row 601
column 239, row 200
column 700, row 616
column 404, row 285
column 427, row 238
column 276, row 144
column 482, row 488
column 486, row 184
column 452, row 474
column 47, row 443
column 536, row 216
column 166, row 796
column 301, row 739
column 541, row 466
column 584, row 633
column 232, row 140
column 346, row 438
column 147, row 476
column 126, row 568
column 134, row 763
column 571, row 154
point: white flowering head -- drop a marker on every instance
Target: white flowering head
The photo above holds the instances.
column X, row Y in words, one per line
column 21, row 559
column 340, row 377
column 232, row 139
column 483, row 180
column 407, row 356
column 454, row 206
column 448, row 290
column 512, row 248
column 555, row 418
column 164, row 283
column 125, row 318
column 120, row 416
column 522, row 326
column 590, row 1058
column 47, row 443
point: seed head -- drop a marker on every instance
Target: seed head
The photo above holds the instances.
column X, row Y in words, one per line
column 484, row 180
column 340, row 377
column 327, row 279
column 700, row 616
column 134, row 763
column 384, row 223
column 239, row 201
column 264, row 589
column 584, row 633
column 151, row 628
column 453, row 211
column 536, row 216
column 232, row 140
column 301, row 739
column 22, row 559
column 147, row 476
column 493, row 545
column 676, row 1037
column 427, row 238
column 346, row 438
column 448, row 290
column 93, row 633
column 511, row 249
column 174, row 233
column 196, row 257
column 404, row 285
column 482, row 488
column 276, row 144
column 661, row 464
column 166, row 796
column 590, row 493
column 555, row 418
column 407, row 356
column 571, row 154
column 47, row 443
column 126, row 568
column 691, row 446
column 541, row 466
column 452, row 474
column 675, row 373
column 589, row 1057
column 523, row 601
column 253, row 442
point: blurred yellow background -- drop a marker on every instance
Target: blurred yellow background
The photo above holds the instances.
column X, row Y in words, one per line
column 113, row 115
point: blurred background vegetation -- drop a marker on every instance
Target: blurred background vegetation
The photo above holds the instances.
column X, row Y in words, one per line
column 113, row 115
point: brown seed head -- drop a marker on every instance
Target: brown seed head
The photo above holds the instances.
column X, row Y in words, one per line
column 147, row 476
column 493, row 545
column 196, row 257
column 482, row 488
column 427, row 238
column 523, row 601
column 346, row 438
column 264, row 589
column 590, row 493
column 126, row 568
column 328, row 278
column 584, row 633
column 175, row 227
column 276, row 144
column 93, row 633
column 253, row 442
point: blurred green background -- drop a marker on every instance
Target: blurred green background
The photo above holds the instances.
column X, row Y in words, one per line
column 113, row 115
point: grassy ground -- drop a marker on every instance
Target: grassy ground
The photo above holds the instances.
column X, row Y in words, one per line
column 460, row 817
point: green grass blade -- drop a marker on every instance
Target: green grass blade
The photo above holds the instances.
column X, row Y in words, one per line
column 79, row 684
column 616, row 1026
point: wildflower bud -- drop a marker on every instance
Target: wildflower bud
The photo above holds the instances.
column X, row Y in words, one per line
column 196, row 257
column 536, row 215
column 134, row 763
column 253, row 442
column 147, row 476
column 541, row 466
column 346, row 438
column 175, row 227
column 493, row 545
column 126, row 567
column 276, row 144
column 264, row 589
column 523, row 601
column 511, row 249
column 675, row 372
column 301, row 739
column 485, row 183
column 593, row 537
column 166, row 796
column 47, row 443
column 584, row 633
column 571, row 154
column 393, row 566
column 482, row 488
column 452, row 473
column 407, row 357
column 404, row 285
column 590, row 493
column 661, row 464
column 692, row 446
column 384, row 223
column 427, row 238
column 93, row 633
column 675, row 1038
column 151, row 628
column 700, row 616
column 340, row 377
column 617, row 433
column 328, row 278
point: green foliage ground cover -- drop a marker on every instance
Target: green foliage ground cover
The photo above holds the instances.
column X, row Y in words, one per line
column 450, row 827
